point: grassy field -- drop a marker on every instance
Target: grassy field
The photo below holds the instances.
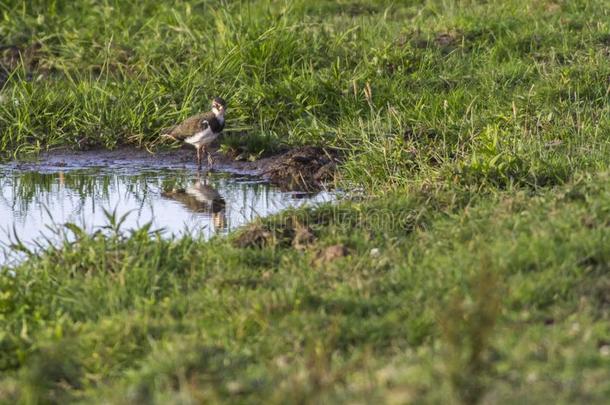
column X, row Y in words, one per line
column 476, row 268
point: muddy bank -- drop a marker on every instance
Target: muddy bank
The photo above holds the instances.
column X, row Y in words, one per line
column 306, row 168
column 300, row 169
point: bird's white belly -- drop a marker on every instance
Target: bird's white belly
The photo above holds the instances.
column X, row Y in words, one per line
column 203, row 194
column 202, row 137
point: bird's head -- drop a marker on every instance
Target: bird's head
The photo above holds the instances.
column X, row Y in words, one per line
column 219, row 106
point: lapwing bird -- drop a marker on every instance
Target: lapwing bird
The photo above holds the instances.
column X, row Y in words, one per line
column 202, row 129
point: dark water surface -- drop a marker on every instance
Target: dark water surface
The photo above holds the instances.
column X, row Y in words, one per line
column 33, row 203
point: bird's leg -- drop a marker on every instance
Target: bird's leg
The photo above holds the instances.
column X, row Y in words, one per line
column 210, row 159
column 203, row 151
column 198, row 158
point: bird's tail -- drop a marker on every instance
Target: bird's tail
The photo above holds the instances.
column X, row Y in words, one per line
column 166, row 131
column 164, row 135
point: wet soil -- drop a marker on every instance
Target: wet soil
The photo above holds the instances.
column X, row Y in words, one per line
column 300, row 169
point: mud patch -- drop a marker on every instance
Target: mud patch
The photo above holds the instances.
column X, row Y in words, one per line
column 307, row 168
column 330, row 254
column 290, row 233
column 255, row 236
column 445, row 41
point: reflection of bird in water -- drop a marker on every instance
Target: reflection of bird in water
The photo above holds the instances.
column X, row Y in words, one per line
column 201, row 198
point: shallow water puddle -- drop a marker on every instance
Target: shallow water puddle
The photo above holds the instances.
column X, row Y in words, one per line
column 177, row 201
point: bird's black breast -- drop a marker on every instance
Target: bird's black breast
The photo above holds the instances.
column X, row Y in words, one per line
column 215, row 124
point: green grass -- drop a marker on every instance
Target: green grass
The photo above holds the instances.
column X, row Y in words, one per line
column 477, row 129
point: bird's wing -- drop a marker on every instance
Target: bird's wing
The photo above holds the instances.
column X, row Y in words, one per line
column 191, row 126
column 207, row 116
